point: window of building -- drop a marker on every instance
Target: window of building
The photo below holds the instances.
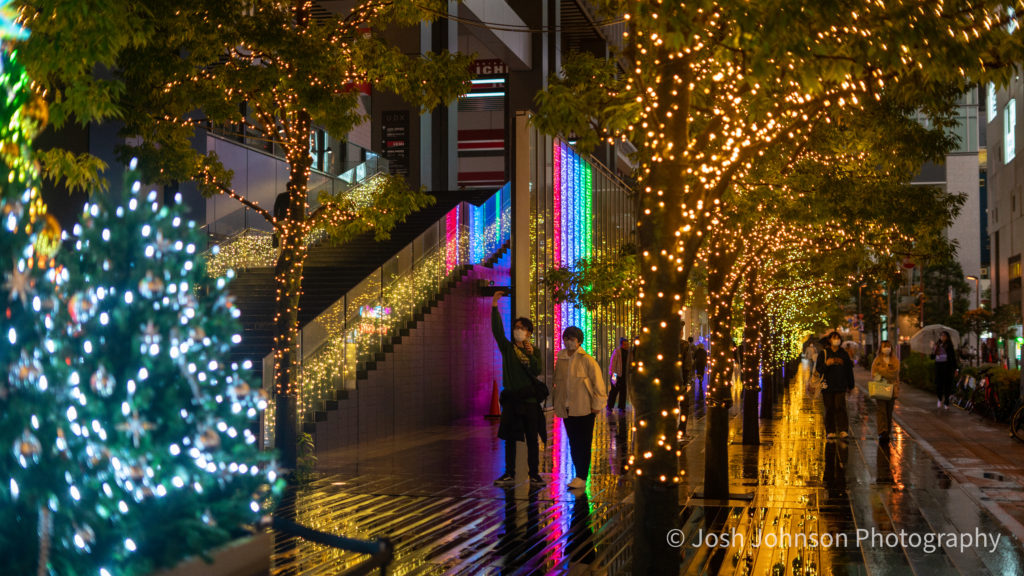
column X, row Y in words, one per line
column 1014, row 275
column 991, row 97
column 1009, row 130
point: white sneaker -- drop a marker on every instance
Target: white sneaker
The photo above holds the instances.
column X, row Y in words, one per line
column 843, row 435
column 578, row 483
column 938, row 403
column 830, row 435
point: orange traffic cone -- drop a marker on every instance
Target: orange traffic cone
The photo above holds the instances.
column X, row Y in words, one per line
column 495, row 405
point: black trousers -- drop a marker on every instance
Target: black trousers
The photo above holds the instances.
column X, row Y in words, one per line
column 532, row 451
column 836, row 419
column 580, row 430
column 618, row 390
column 944, row 383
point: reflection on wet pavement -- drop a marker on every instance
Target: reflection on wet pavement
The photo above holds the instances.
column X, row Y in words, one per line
column 432, row 496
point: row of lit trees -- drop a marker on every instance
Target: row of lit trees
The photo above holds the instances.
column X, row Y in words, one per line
column 717, row 88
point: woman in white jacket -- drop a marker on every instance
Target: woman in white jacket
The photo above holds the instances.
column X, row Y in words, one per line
column 579, row 393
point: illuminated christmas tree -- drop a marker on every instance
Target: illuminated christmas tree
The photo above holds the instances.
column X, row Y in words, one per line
column 125, row 434
column 159, row 421
column 33, row 452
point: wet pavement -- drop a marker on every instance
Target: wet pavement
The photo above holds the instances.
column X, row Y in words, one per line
column 814, row 506
column 978, row 453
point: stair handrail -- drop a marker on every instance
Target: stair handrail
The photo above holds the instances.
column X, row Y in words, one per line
column 356, row 325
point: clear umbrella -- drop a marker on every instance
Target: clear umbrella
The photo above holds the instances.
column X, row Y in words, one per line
column 924, row 340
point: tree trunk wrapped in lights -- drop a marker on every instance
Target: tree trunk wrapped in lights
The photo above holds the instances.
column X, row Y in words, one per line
column 721, row 291
column 753, row 356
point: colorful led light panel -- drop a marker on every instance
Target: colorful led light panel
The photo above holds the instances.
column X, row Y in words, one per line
column 573, row 229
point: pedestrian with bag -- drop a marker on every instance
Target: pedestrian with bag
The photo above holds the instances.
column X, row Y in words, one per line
column 522, row 418
column 618, row 373
column 578, row 394
column 945, row 369
column 836, row 369
column 886, row 367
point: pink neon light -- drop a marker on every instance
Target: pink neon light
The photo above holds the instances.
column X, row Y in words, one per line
column 451, row 236
column 556, row 175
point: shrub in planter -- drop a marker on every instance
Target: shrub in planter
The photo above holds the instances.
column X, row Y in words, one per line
column 1007, row 387
column 918, row 370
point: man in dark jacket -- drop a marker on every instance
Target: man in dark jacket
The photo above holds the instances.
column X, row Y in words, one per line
column 836, row 367
column 521, row 414
column 700, row 365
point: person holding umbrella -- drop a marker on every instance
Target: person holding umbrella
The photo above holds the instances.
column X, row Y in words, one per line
column 945, row 369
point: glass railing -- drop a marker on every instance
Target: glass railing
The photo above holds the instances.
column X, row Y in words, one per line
column 247, row 248
column 253, row 248
column 230, row 217
column 359, row 325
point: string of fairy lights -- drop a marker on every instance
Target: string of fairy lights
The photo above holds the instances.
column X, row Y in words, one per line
column 358, row 324
column 706, row 123
column 280, row 110
column 769, row 243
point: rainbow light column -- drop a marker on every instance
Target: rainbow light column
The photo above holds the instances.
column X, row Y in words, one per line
column 573, row 230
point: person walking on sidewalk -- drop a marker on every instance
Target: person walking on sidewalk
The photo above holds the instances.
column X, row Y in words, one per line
column 521, row 414
column 945, row 369
column 579, row 394
column 836, row 367
column 687, row 357
column 887, row 366
column 700, row 365
column 618, row 373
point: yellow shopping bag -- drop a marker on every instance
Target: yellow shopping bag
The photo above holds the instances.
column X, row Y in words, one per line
column 880, row 389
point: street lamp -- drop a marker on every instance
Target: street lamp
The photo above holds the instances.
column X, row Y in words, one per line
column 977, row 305
column 977, row 291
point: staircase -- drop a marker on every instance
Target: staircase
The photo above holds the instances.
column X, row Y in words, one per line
column 330, row 272
column 456, row 281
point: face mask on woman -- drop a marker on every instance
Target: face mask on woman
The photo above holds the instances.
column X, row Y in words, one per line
column 519, row 335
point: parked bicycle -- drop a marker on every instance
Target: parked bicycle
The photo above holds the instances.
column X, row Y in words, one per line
column 977, row 394
column 963, row 392
column 986, row 402
column 1017, row 423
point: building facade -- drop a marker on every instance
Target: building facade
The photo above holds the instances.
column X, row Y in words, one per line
column 1005, row 213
